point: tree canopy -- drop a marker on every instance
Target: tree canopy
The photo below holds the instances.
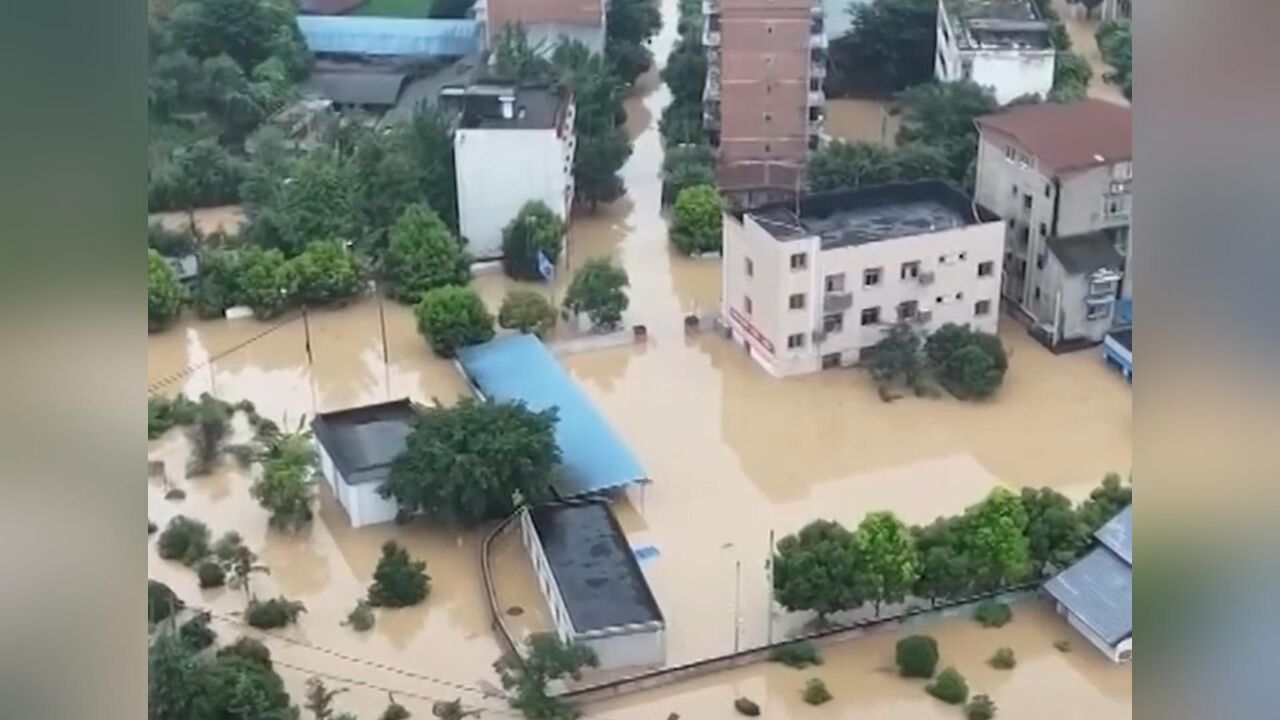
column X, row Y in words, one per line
column 526, row 311
column 817, row 569
column 285, row 488
column 535, row 230
column 890, row 46
column 1071, row 75
column 598, row 290
column 969, row 364
column 164, row 295
column 453, row 317
column 685, row 166
column 596, row 164
column 887, row 558
column 475, row 461
column 547, row 658
column 698, row 217
column 941, row 115
column 1115, row 43
column 423, row 255
column 398, row 580
column 993, row 537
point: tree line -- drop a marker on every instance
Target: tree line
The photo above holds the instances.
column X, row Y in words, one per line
column 1005, row 539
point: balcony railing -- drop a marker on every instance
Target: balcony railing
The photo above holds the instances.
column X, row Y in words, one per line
column 837, row 301
column 818, row 41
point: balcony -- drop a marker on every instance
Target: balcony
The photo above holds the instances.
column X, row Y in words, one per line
column 837, row 302
column 818, row 70
column 817, row 97
column 711, row 32
column 818, row 41
column 711, row 90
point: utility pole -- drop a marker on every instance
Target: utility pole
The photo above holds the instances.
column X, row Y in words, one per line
column 737, row 616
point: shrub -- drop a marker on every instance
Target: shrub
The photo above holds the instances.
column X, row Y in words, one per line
column 399, row 580
column 597, row 290
column 164, row 295
column 980, row 708
column 746, row 707
column 326, row 271
column 993, row 613
column 917, row 656
column 949, row 687
column 184, row 540
column 1003, row 659
column 453, row 317
column 535, row 230
column 798, row 655
column 696, row 226
column 162, row 601
column 423, row 255
column 273, row 613
column 969, row 364
column 249, row 649
column 268, row 283
column 394, row 711
column 196, row 633
column 526, row 311
column 1062, row 645
column 211, row 575
column 815, row 692
column 361, row 618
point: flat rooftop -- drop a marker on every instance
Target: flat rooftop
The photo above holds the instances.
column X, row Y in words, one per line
column 364, row 441
column 855, row 217
column 532, row 108
column 598, row 575
column 998, row 23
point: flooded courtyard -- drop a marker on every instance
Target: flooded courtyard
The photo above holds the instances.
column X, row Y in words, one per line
column 734, row 454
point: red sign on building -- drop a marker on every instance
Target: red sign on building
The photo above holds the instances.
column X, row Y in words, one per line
column 750, row 329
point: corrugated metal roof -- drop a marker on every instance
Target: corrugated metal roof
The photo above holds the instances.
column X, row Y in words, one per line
column 359, row 88
column 389, row 36
column 364, row 441
column 592, row 457
column 1099, row 591
column 1117, row 534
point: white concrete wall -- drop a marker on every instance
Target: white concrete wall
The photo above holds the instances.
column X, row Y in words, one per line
column 1012, row 73
column 546, row 581
column 499, row 170
column 362, row 503
column 1113, row 653
column 641, row 648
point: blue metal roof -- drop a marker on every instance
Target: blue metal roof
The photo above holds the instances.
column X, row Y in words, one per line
column 389, row 36
column 1117, row 534
column 1099, row 590
column 519, row 367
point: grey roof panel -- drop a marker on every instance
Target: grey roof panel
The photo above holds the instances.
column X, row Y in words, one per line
column 363, row 441
column 1117, row 534
column 359, row 88
column 1085, row 253
column 1099, row 590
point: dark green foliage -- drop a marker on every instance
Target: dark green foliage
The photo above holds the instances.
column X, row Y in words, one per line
column 686, row 70
column 896, row 358
column 196, row 633
column 1057, row 31
column 992, row 613
column 685, row 166
column 816, row 692
column 1003, row 659
column 452, row 317
column 423, row 255
column 949, row 687
column 696, row 225
column 968, row 363
column 394, row 711
column 211, row 575
column 629, row 60
column 535, row 229
column 451, row 9
column 598, row 289
column 1056, row 535
column 992, row 534
column 475, row 461
column 285, row 487
column 184, row 540
column 240, row 688
column 798, row 655
column 174, row 689
column 514, row 58
column 1104, row 502
column 170, row 243
column 162, row 602
column 596, row 164
column 944, row 569
column 817, row 569
column 248, row 649
column 889, row 46
column 547, row 658
column 295, row 198
column 361, row 618
column 526, row 311
column 941, row 115
column 192, row 175
column 841, row 164
column 451, row 710
column 274, row 613
column 980, row 707
column 326, row 271
column 633, row 21
column 319, row 699
column 267, row 281
column 1115, row 43
column 745, row 706
column 398, row 580
column 209, row 427
column 681, row 124
column 1071, row 75
column 164, row 295
column 916, row 656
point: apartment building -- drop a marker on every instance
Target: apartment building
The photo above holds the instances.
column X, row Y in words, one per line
column 807, row 285
column 1061, row 177
column 512, row 145
column 546, row 21
column 1002, row 44
column 763, row 100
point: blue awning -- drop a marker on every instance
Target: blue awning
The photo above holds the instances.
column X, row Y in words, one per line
column 389, row 36
column 519, row 367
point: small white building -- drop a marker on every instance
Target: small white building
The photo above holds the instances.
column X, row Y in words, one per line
column 809, row 285
column 1002, row 44
column 593, row 584
column 356, row 447
column 1096, row 594
column 512, row 145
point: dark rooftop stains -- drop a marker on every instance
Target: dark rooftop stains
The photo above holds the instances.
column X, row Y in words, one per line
column 532, row 108
column 998, row 24
column 1085, row 253
column 1124, row 337
column 359, row 88
column 363, row 441
column 855, row 217
column 598, row 576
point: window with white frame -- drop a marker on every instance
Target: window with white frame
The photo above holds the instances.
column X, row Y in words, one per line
column 795, row 341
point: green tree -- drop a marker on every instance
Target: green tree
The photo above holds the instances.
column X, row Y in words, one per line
column 841, row 164
column 696, row 227
column 1055, row 534
column 164, row 295
column 326, row 271
column 685, row 166
column 320, row 698
column 535, row 230
column 686, row 71
column 993, row 536
column 596, row 164
column 944, row 569
column 514, row 58
column 917, row 161
column 896, row 358
column 452, row 317
column 385, row 181
column 628, row 59
column 292, row 199
column 526, row 311
column 916, row 656
column 968, row 363
column 475, row 461
column 1071, row 75
column 597, row 289
column 274, row 613
column 398, row 580
column 243, row 563
column 174, row 690
column 547, row 658
column 194, row 175
column 888, row 562
column 268, row 283
column 598, row 92
column 162, row 602
column 942, row 115
column 1115, row 43
column 249, row 31
column 949, row 687
column 423, row 255
column 681, row 124
column 1109, row 498
column 889, row 46
column 817, row 569
column 980, row 707
column 210, row 425
column 633, row 21
column 242, row 688
column 285, row 487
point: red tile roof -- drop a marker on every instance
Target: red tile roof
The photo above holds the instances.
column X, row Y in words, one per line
column 1067, row 136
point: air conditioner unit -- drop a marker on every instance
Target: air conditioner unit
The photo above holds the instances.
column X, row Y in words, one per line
column 819, row 335
column 925, row 277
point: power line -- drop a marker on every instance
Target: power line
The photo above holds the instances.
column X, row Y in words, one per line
column 188, row 370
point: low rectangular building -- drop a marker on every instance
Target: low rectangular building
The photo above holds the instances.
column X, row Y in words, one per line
column 1001, row 44
column 513, row 145
column 1096, row 593
column 1082, row 276
column 593, row 585
column 808, row 285
column 356, row 447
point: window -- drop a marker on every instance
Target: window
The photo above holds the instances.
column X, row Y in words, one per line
column 960, row 296
column 795, row 341
column 870, row 316
column 1040, row 262
column 746, row 304
column 942, row 62
column 799, row 261
column 768, row 148
column 1036, row 294
column 964, row 255
column 910, row 269
column 1011, row 154
column 908, row 309
column 871, row 277
column 830, row 360
column 768, row 117
column 751, row 268
column 1026, row 202
column 1044, row 230
column 1048, row 190
column 796, row 301
column 835, row 283
column 985, row 269
column 833, row 322
column 1098, row 311
column 768, row 29
column 982, row 307
column 966, row 68
column 1117, row 205
column 815, row 84
column 1014, row 191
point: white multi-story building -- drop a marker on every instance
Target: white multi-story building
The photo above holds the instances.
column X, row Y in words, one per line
column 512, row 145
column 1002, row 44
column 808, row 285
column 1061, row 176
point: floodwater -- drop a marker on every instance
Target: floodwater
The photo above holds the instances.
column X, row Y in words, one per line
column 734, row 455
column 861, row 120
column 1085, row 44
column 227, row 218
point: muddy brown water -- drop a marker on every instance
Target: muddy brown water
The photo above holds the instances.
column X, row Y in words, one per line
column 861, row 120
column 227, row 218
column 734, row 454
